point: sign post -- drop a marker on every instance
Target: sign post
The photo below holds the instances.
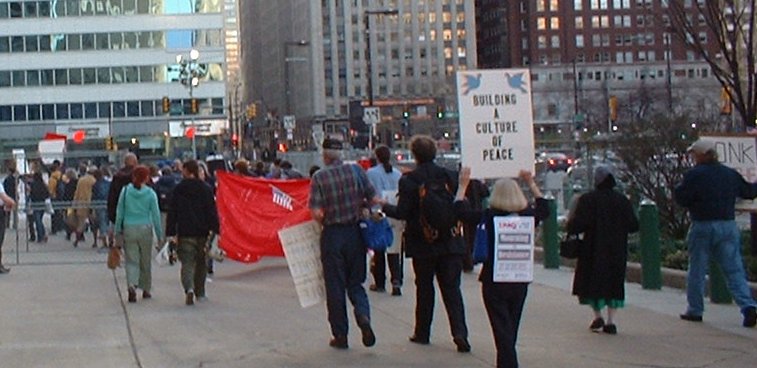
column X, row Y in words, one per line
column 496, row 122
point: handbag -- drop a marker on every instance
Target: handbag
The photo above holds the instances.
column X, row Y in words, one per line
column 481, row 242
column 114, row 258
column 570, row 246
column 376, row 231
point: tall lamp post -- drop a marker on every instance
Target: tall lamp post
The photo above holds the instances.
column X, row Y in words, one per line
column 189, row 76
column 369, row 59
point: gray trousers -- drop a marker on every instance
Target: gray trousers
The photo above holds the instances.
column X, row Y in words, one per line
column 138, row 242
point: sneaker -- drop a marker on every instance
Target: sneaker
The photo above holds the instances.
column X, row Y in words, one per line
column 597, row 324
column 132, row 295
column 750, row 317
column 190, row 298
column 610, row 329
column 339, row 342
column 369, row 338
column 146, row 294
column 690, row 317
column 419, row 340
column 396, row 291
column 462, row 344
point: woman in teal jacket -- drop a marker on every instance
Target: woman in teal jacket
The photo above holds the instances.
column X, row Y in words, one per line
column 137, row 216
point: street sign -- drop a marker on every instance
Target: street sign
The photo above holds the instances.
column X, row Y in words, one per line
column 289, row 122
column 371, row 115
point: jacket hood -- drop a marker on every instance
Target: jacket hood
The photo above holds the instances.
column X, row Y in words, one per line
column 191, row 188
column 141, row 193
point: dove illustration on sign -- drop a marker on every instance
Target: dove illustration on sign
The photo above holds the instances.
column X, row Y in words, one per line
column 516, row 81
column 471, row 82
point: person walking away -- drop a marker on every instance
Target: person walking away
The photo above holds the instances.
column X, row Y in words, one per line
column 207, row 177
column 164, row 188
column 605, row 217
column 385, row 179
column 8, row 204
column 10, row 186
column 67, row 189
column 82, row 201
column 289, row 172
column 709, row 191
column 504, row 301
column 120, row 179
column 37, row 197
column 439, row 256
column 137, row 217
column 54, row 185
column 191, row 221
column 100, row 213
column 338, row 194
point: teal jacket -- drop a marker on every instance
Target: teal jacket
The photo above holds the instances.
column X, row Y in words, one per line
column 138, row 207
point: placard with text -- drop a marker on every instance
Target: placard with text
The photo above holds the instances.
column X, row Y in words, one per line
column 496, row 122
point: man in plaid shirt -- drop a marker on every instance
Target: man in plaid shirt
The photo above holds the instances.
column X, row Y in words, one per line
column 338, row 193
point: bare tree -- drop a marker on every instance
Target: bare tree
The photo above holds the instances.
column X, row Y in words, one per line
column 730, row 25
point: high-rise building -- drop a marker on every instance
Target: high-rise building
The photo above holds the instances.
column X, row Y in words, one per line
column 316, row 59
column 104, row 67
column 582, row 53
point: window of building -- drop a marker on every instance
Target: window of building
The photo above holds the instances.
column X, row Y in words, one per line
column 32, row 78
column 5, row 78
column 541, row 42
column 19, row 112
column 48, row 112
column 554, row 23
column 595, row 23
column 19, row 78
column 579, row 22
column 594, row 4
column 555, row 42
column 596, row 40
column 541, row 23
column 554, row 5
column 90, row 110
column 77, row 111
column 703, row 37
column 61, row 111
column 541, row 5
column 578, row 4
column 579, row 40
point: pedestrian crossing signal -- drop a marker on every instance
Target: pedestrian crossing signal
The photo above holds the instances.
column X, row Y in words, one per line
column 166, row 105
column 110, row 144
column 194, row 106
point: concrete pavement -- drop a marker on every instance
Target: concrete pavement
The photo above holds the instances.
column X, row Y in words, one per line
column 61, row 307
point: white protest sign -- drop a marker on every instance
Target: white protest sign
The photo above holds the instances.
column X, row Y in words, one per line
column 496, row 122
column 738, row 152
column 302, row 250
column 514, row 253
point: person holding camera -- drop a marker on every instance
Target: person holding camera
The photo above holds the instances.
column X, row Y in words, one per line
column 192, row 218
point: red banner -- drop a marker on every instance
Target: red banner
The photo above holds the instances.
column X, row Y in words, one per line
column 252, row 211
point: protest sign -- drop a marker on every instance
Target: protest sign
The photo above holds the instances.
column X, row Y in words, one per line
column 302, row 250
column 514, row 253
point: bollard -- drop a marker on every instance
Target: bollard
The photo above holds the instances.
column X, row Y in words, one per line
column 549, row 235
column 649, row 231
column 719, row 293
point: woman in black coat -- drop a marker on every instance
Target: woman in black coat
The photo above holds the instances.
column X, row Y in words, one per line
column 504, row 301
column 605, row 217
column 39, row 193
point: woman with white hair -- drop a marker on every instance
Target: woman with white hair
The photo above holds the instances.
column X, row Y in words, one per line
column 504, row 301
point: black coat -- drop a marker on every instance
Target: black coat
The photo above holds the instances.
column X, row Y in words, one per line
column 121, row 179
column 408, row 209
column 192, row 210
column 605, row 217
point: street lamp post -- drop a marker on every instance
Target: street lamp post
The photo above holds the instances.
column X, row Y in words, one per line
column 369, row 59
column 189, row 76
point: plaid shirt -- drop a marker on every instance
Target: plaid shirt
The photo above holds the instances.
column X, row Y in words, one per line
column 335, row 190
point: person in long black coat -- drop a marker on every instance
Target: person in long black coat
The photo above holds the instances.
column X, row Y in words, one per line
column 605, row 217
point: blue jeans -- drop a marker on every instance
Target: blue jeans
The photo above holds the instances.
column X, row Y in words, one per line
column 344, row 269
column 722, row 241
column 39, row 225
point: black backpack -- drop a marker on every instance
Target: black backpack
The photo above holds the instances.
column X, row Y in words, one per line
column 437, row 211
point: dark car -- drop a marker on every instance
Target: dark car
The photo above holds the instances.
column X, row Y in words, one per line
column 554, row 161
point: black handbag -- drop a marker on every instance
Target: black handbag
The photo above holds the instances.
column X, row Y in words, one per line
column 570, row 246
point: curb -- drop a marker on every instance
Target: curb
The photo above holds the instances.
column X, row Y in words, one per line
column 670, row 277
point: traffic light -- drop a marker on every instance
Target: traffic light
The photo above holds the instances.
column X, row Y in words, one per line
column 283, row 147
column 252, row 111
column 613, row 103
column 406, row 113
column 235, row 140
column 725, row 102
column 194, row 106
column 440, row 112
column 166, row 105
column 110, row 144
column 134, row 144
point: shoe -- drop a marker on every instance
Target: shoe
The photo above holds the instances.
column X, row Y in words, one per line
column 76, row 243
column 190, row 298
column 43, row 240
column 597, row 324
column 146, row 294
column 132, row 295
column 4, row 269
column 369, row 338
column 610, row 329
column 376, row 288
column 31, row 239
column 750, row 317
column 339, row 342
column 396, row 291
column 419, row 340
column 462, row 344
column 690, row 317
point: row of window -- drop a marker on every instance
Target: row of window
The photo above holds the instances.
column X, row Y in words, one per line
column 76, row 8
column 603, row 40
column 104, row 110
column 599, row 75
column 104, row 75
column 110, row 41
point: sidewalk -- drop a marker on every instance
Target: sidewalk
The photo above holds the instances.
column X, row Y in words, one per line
column 73, row 314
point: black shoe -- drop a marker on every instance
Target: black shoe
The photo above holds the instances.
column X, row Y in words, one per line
column 462, row 344
column 339, row 342
column 376, row 288
column 750, row 317
column 597, row 324
column 132, row 295
column 146, row 295
column 396, row 291
column 190, row 298
column 4, row 269
column 690, row 317
column 369, row 338
column 610, row 329
column 419, row 340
